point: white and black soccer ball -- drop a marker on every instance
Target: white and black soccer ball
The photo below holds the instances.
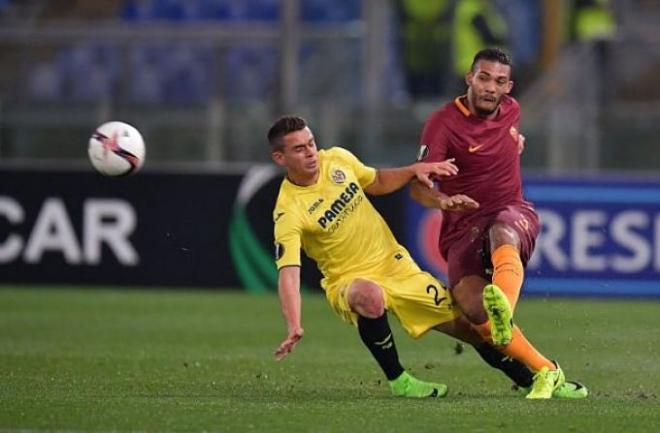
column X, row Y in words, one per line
column 116, row 149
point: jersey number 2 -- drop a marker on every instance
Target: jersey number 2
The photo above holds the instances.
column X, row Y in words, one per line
column 436, row 295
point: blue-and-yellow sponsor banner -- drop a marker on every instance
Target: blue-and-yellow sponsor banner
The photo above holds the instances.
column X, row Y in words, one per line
column 599, row 236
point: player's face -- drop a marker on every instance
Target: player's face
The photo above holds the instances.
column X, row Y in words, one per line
column 299, row 154
column 486, row 85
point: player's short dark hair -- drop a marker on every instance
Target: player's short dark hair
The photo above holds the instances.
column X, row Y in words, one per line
column 492, row 55
column 283, row 126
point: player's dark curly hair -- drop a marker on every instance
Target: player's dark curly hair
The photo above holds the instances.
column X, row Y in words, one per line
column 492, row 55
column 283, row 126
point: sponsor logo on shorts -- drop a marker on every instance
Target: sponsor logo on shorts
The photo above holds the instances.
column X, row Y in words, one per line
column 522, row 223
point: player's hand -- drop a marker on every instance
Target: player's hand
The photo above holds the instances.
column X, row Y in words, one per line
column 521, row 143
column 425, row 171
column 458, row 202
column 295, row 335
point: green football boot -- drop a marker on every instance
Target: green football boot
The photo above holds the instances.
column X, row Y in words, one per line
column 408, row 386
column 570, row 390
column 546, row 382
column 499, row 314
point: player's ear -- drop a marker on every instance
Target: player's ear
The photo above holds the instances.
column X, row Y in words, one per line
column 468, row 78
column 509, row 86
column 278, row 157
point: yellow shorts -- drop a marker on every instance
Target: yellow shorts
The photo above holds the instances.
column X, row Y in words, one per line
column 416, row 298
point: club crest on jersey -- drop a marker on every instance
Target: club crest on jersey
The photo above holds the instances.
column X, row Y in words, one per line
column 338, row 176
column 423, row 152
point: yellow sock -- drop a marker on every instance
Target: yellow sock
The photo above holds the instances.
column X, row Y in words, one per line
column 508, row 272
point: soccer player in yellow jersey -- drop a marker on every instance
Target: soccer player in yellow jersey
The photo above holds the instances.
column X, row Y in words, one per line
column 322, row 208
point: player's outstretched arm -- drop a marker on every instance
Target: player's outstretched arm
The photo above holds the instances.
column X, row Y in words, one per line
column 427, row 197
column 431, row 197
column 391, row 179
column 288, row 288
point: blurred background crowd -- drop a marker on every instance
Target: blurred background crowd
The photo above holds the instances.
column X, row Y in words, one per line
column 203, row 79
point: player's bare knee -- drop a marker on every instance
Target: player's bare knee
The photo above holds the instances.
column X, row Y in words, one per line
column 468, row 294
column 503, row 234
column 474, row 311
column 366, row 299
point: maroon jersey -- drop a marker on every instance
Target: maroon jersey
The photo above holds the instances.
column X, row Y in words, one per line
column 486, row 153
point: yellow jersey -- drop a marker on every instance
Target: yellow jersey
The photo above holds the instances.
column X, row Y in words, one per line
column 334, row 222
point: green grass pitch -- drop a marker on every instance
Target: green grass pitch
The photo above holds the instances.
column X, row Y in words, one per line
column 111, row 360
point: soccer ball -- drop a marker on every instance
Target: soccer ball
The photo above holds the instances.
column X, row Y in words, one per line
column 116, row 149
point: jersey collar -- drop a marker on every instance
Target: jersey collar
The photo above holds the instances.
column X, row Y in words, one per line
column 461, row 107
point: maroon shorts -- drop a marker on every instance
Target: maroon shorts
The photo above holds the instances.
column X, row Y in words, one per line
column 469, row 253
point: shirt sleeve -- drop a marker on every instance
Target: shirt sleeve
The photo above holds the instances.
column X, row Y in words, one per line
column 365, row 174
column 288, row 231
column 516, row 118
column 434, row 146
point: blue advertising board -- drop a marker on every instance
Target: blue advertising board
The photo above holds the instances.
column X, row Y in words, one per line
column 599, row 236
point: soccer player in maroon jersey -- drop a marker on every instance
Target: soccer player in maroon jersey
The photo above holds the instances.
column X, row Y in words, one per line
column 488, row 229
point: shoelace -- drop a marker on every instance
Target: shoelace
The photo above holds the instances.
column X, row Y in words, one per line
column 546, row 384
